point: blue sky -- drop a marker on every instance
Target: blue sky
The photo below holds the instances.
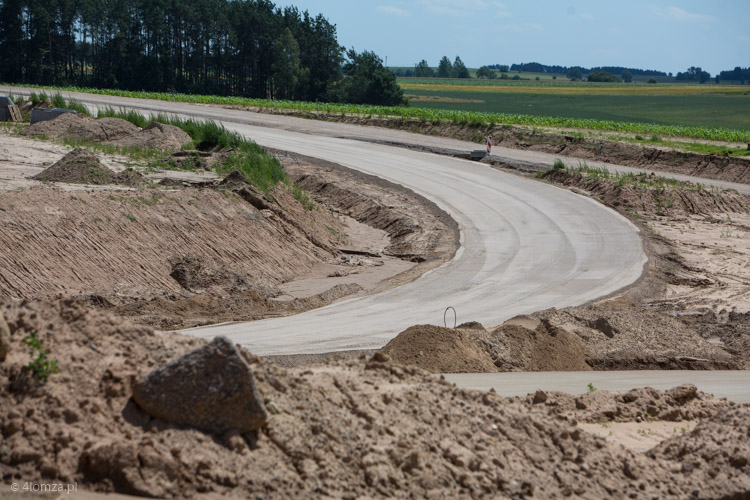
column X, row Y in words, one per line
column 649, row 34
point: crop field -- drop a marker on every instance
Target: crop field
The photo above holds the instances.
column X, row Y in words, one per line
column 715, row 106
column 455, row 115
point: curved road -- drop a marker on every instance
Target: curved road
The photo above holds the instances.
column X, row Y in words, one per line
column 525, row 245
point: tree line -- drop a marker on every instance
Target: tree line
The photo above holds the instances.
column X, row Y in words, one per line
column 247, row 48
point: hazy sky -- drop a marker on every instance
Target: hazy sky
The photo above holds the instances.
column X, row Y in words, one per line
column 649, row 34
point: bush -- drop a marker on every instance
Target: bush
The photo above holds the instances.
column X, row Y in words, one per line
column 651, row 80
column 39, row 365
column 603, row 76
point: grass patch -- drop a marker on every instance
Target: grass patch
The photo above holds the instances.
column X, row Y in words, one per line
column 260, row 169
column 58, row 101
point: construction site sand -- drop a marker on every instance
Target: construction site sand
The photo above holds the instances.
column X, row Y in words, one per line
column 366, row 428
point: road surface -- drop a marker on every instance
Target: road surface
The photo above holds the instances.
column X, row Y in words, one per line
column 525, row 245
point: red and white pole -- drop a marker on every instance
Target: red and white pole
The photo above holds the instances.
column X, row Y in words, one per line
column 489, row 144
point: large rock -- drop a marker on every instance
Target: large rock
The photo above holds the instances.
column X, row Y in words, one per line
column 211, row 388
column 4, row 338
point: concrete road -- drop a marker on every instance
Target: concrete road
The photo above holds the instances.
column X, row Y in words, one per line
column 525, row 245
column 733, row 385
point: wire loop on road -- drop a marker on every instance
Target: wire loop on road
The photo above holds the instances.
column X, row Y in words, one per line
column 455, row 317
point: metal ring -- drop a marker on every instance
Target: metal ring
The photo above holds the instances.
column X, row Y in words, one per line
column 455, row 317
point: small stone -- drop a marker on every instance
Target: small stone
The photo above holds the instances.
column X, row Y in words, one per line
column 380, row 357
column 682, row 392
column 540, row 397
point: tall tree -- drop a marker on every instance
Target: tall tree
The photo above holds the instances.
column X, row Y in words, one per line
column 460, row 69
column 445, row 68
column 423, row 69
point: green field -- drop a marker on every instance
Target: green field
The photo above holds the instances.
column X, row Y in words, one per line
column 710, row 105
column 454, row 116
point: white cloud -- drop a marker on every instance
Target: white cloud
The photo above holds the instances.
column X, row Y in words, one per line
column 464, row 8
column 587, row 17
column 681, row 15
column 393, row 11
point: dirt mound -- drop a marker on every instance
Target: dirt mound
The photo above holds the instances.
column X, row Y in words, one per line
column 682, row 403
column 715, row 455
column 81, row 166
column 101, row 130
column 58, row 127
column 439, row 350
column 156, row 136
column 517, row 346
column 622, row 336
column 200, row 273
column 667, row 200
column 357, row 429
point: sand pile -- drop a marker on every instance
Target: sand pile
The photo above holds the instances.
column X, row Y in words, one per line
column 439, row 350
column 519, row 345
column 364, row 430
column 111, row 131
column 358, row 429
column 101, row 130
column 531, row 345
column 81, row 166
column 715, row 455
column 679, row 404
column 156, row 136
column 57, row 128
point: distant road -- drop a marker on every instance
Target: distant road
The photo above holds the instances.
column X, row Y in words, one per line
column 525, row 245
column 344, row 130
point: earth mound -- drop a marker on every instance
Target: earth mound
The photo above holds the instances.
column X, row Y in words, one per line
column 518, row 346
column 156, row 136
column 101, row 130
column 716, row 454
column 58, row 127
column 439, row 350
column 81, row 166
column 366, row 428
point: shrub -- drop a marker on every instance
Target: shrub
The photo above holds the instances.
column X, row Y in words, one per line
column 39, row 365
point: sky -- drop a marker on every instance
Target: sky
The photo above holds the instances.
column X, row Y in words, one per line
column 668, row 35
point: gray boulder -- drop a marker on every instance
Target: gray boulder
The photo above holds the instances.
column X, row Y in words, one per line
column 211, row 388
column 4, row 338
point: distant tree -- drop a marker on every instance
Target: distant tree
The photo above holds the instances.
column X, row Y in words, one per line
column 603, row 76
column 554, row 77
column 366, row 81
column 504, row 76
column 459, row 69
column 423, row 70
column 718, row 80
column 445, row 68
column 485, row 72
column 651, row 80
column 693, row 74
column 575, row 74
column 286, row 71
column 503, row 68
column 626, row 76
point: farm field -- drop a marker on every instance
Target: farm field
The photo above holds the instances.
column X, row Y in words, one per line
column 705, row 106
